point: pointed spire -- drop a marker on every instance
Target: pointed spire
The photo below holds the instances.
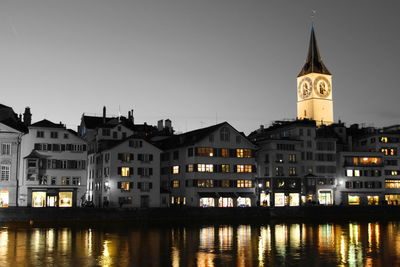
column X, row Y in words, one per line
column 314, row 62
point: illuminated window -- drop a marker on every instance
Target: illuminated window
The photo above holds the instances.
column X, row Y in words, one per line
column 279, row 171
column 205, row 183
column 225, row 168
column 5, row 172
column 244, row 168
column 225, row 202
column 279, row 199
column 244, row 202
column 175, row 169
column 292, row 158
column 349, row 173
column 224, row 152
column 207, row 202
column 175, row 183
column 126, row 171
column 384, row 139
column 393, row 199
column 38, row 199
column 65, row 199
column 243, row 153
column 394, row 172
column 205, row 151
column 354, row 200
column 392, row 183
column 264, row 199
column 356, row 172
column 373, row 200
column 389, row 151
column 267, row 184
column 294, row 199
column 292, row 171
column 190, row 168
column 4, row 198
column 205, row 167
column 125, row 186
column 244, row 183
column 6, row 149
column 65, row 180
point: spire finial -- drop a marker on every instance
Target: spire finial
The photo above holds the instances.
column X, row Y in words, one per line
column 312, row 17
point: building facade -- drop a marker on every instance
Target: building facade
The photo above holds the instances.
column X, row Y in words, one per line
column 53, row 166
column 209, row 167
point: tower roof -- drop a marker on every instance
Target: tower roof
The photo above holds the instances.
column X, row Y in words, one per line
column 314, row 62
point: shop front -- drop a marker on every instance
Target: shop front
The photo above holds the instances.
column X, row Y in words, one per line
column 41, row 198
column 4, row 198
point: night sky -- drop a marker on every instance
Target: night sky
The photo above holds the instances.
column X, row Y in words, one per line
column 196, row 62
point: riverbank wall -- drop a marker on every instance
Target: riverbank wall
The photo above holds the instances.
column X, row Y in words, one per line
column 14, row 216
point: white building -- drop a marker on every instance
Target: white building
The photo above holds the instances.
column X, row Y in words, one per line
column 125, row 173
column 209, row 167
column 53, row 166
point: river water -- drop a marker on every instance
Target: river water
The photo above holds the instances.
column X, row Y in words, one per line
column 282, row 244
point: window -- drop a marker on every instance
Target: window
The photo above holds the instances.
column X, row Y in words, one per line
column 66, row 136
column 106, row 132
column 205, row 183
column 123, row 157
column 278, row 171
column 224, row 134
column 76, row 180
column 190, row 152
column 125, row 171
column 243, row 153
column 244, row 168
column 392, row 184
column 5, row 172
column 65, row 180
column 205, row 151
column 224, row 152
column 6, row 149
column 389, row 151
column 384, row 139
column 175, row 169
column 176, row 154
column 244, row 183
column 292, row 171
column 279, row 158
column 175, row 183
column 225, row 183
column 53, row 180
column 54, row 135
column 225, row 168
column 40, row 134
column 292, row 158
column 205, row 167
column 354, row 200
column 43, row 180
column 189, row 168
column 279, row 199
column 125, row 186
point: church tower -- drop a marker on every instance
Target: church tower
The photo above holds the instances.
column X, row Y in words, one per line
column 314, row 88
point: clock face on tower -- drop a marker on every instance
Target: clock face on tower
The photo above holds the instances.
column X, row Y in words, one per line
column 322, row 87
column 305, row 88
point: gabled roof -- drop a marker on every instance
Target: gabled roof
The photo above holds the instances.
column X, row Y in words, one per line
column 15, row 124
column 47, row 124
column 314, row 62
column 187, row 139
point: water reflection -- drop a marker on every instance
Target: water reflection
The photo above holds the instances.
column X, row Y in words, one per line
column 350, row 244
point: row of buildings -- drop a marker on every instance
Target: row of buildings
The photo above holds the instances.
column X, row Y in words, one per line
column 114, row 162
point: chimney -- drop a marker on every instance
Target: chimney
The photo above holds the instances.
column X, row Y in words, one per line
column 160, row 126
column 104, row 115
column 168, row 125
column 130, row 117
column 27, row 116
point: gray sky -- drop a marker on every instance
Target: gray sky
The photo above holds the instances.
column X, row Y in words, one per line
column 196, row 62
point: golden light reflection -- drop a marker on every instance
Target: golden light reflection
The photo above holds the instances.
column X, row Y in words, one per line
column 281, row 238
column 225, row 236
column 105, row 260
column 326, row 237
column 264, row 244
column 206, row 238
column 355, row 252
column 3, row 243
column 175, row 257
column 205, row 259
column 295, row 235
column 50, row 237
column 243, row 244
column 89, row 241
